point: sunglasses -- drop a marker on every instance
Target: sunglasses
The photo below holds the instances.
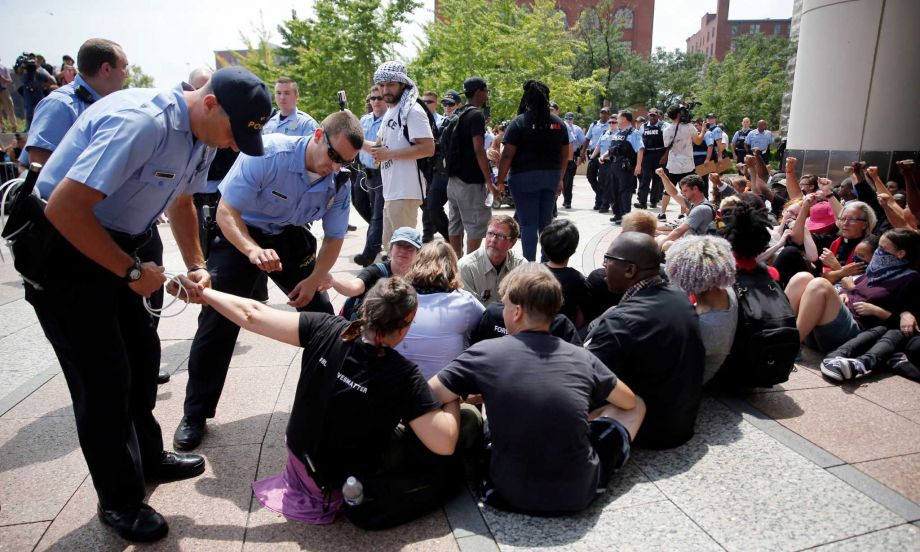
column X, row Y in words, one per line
column 608, row 258
column 375, row 98
column 429, row 102
column 334, row 155
column 446, row 103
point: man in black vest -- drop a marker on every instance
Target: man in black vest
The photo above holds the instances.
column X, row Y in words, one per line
column 625, row 148
column 653, row 142
column 740, row 148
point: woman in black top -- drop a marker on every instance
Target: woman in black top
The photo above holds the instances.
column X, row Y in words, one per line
column 533, row 161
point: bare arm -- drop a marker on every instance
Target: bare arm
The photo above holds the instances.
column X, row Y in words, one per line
column 893, row 211
column 439, row 429
column 622, row 396
column 792, row 181
column 670, row 189
column 255, row 317
column 480, row 150
column 504, row 164
column 423, row 147
column 910, row 184
column 234, row 229
column 183, row 220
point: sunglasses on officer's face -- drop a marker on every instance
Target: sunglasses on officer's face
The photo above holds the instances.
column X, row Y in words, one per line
column 334, row 155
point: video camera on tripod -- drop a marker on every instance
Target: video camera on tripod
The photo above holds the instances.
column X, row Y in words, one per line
column 685, row 107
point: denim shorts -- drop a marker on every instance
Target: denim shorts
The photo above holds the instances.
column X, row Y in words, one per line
column 835, row 333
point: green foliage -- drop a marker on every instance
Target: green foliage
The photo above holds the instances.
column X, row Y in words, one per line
column 506, row 44
column 137, row 78
column 337, row 48
column 749, row 82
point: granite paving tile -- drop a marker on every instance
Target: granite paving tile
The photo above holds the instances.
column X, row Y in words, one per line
column 892, row 392
column 174, row 354
column 15, row 316
column 844, row 424
column 800, row 378
column 256, row 350
column 41, row 465
column 904, row 538
column 901, row 473
column 26, row 354
column 748, row 492
column 653, row 526
column 15, row 538
column 182, row 326
column 51, row 399
column 911, row 415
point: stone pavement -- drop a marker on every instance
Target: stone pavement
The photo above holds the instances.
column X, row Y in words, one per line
column 807, row 464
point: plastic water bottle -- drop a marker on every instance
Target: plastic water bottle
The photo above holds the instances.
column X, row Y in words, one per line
column 489, row 199
column 353, row 491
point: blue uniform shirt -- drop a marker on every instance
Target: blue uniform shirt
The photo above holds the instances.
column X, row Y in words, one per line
column 297, row 123
column 635, row 140
column 717, row 133
column 371, row 125
column 438, row 119
column 605, row 140
column 757, row 139
column 136, row 147
column 275, row 191
column 54, row 116
column 579, row 136
column 595, row 131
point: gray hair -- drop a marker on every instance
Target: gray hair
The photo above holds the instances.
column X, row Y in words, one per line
column 867, row 213
column 699, row 263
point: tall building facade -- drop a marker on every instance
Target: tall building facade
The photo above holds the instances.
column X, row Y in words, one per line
column 718, row 32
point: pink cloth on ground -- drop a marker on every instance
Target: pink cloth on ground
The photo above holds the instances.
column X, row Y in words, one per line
column 295, row 495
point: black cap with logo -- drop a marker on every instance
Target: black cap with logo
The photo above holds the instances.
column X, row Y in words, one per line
column 246, row 100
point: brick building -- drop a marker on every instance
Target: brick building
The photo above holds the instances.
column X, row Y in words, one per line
column 717, row 32
column 637, row 17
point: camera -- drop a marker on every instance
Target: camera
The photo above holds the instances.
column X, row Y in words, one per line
column 686, row 115
column 25, row 63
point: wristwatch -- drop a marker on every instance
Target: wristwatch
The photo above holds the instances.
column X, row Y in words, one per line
column 134, row 272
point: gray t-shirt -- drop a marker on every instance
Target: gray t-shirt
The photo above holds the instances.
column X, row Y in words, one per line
column 538, row 391
column 699, row 217
column 717, row 328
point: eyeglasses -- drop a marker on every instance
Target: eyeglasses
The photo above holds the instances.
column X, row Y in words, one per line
column 375, row 98
column 608, row 258
column 850, row 220
column 334, row 155
column 500, row 237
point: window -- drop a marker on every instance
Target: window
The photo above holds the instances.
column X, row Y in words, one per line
column 755, row 28
column 734, row 30
column 777, row 30
column 624, row 16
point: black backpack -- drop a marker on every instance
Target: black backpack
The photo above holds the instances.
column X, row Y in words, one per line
column 766, row 340
column 448, row 144
column 426, row 164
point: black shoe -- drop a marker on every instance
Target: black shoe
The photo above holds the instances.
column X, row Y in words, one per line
column 363, row 260
column 162, row 377
column 604, row 210
column 352, row 227
column 566, row 205
column 141, row 525
column 189, row 434
column 662, row 216
column 596, row 208
column 174, row 466
column 653, row 205
column 640, row 206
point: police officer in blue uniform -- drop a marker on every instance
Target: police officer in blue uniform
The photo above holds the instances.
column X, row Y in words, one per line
column 625, row 147
column 603, row 160
column 129, row 157
column 738, row 140
column 265, row 203
column 718, row 136
column 654, row 149
column 288, row 119
column 593, row 137
column 372, row 182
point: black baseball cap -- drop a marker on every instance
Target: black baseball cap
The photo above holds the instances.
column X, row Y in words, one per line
column 246, row 100
column 569, row 116
column 554, row 105
column 473, row 85
column 711, row 116
column 451, row 96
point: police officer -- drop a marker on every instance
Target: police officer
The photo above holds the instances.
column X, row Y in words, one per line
column 718, row 136
column 653, row 150
column 576, row 138
column 599, row 156
column 738, row 140
column 127, row 158
column 288, row 119
column 370, row 122
column 265, row 203
column 625, row 147
column 592, row 137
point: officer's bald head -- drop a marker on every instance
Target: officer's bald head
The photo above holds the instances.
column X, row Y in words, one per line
column 199, row 77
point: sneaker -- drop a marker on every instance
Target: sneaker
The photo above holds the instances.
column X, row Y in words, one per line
column 843, row 369
column 662, row 216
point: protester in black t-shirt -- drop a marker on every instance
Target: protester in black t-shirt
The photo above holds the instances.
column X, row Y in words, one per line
column 558, row 242
column 561, row 422
column 353, row 391
column 534, row 161
column 492, row 325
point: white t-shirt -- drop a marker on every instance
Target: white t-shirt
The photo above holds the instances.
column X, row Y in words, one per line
column 441, row 329
column 680, row 157
column 401, row 178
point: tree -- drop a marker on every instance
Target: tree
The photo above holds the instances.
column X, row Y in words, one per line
column 338, row 48
column 507, row 45
column 604, row 55
column 137, row 78
column 749, row 82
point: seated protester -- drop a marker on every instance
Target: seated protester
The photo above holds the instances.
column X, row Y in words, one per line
column 561, row 422
column 703, row 266
column 492, row 325
column 483, row 270
column 404, row 245
column 640, row 221
column 702, row 213
column 795, row 248
column 447, row 314
column 723, row 190
column 558, row 241
column 600, row 298
column 890, row 287
column 354, row 390
column 848, row 275
column 855, row 222
column 746, row 227
column 661, row 355
column 877, row 349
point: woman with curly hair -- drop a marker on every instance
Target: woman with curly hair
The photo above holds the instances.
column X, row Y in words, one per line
column 746, row 226
column 703, row 266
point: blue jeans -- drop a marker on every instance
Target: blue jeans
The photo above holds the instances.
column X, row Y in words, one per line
column 534, row 194
column 375, row 225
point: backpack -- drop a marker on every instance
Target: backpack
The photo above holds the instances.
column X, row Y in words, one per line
column 448, row 144
column 425, row 164
column 352, row 305
column 766, row 339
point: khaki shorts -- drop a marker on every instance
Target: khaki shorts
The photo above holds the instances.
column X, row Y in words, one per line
column 468, row 211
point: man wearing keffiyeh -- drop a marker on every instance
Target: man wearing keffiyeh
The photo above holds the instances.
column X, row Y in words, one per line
column 403, row 184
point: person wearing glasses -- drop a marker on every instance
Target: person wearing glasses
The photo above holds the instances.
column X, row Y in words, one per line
column 484, row 269
column 430, row 99
column 661, row 356
column 265, row 203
